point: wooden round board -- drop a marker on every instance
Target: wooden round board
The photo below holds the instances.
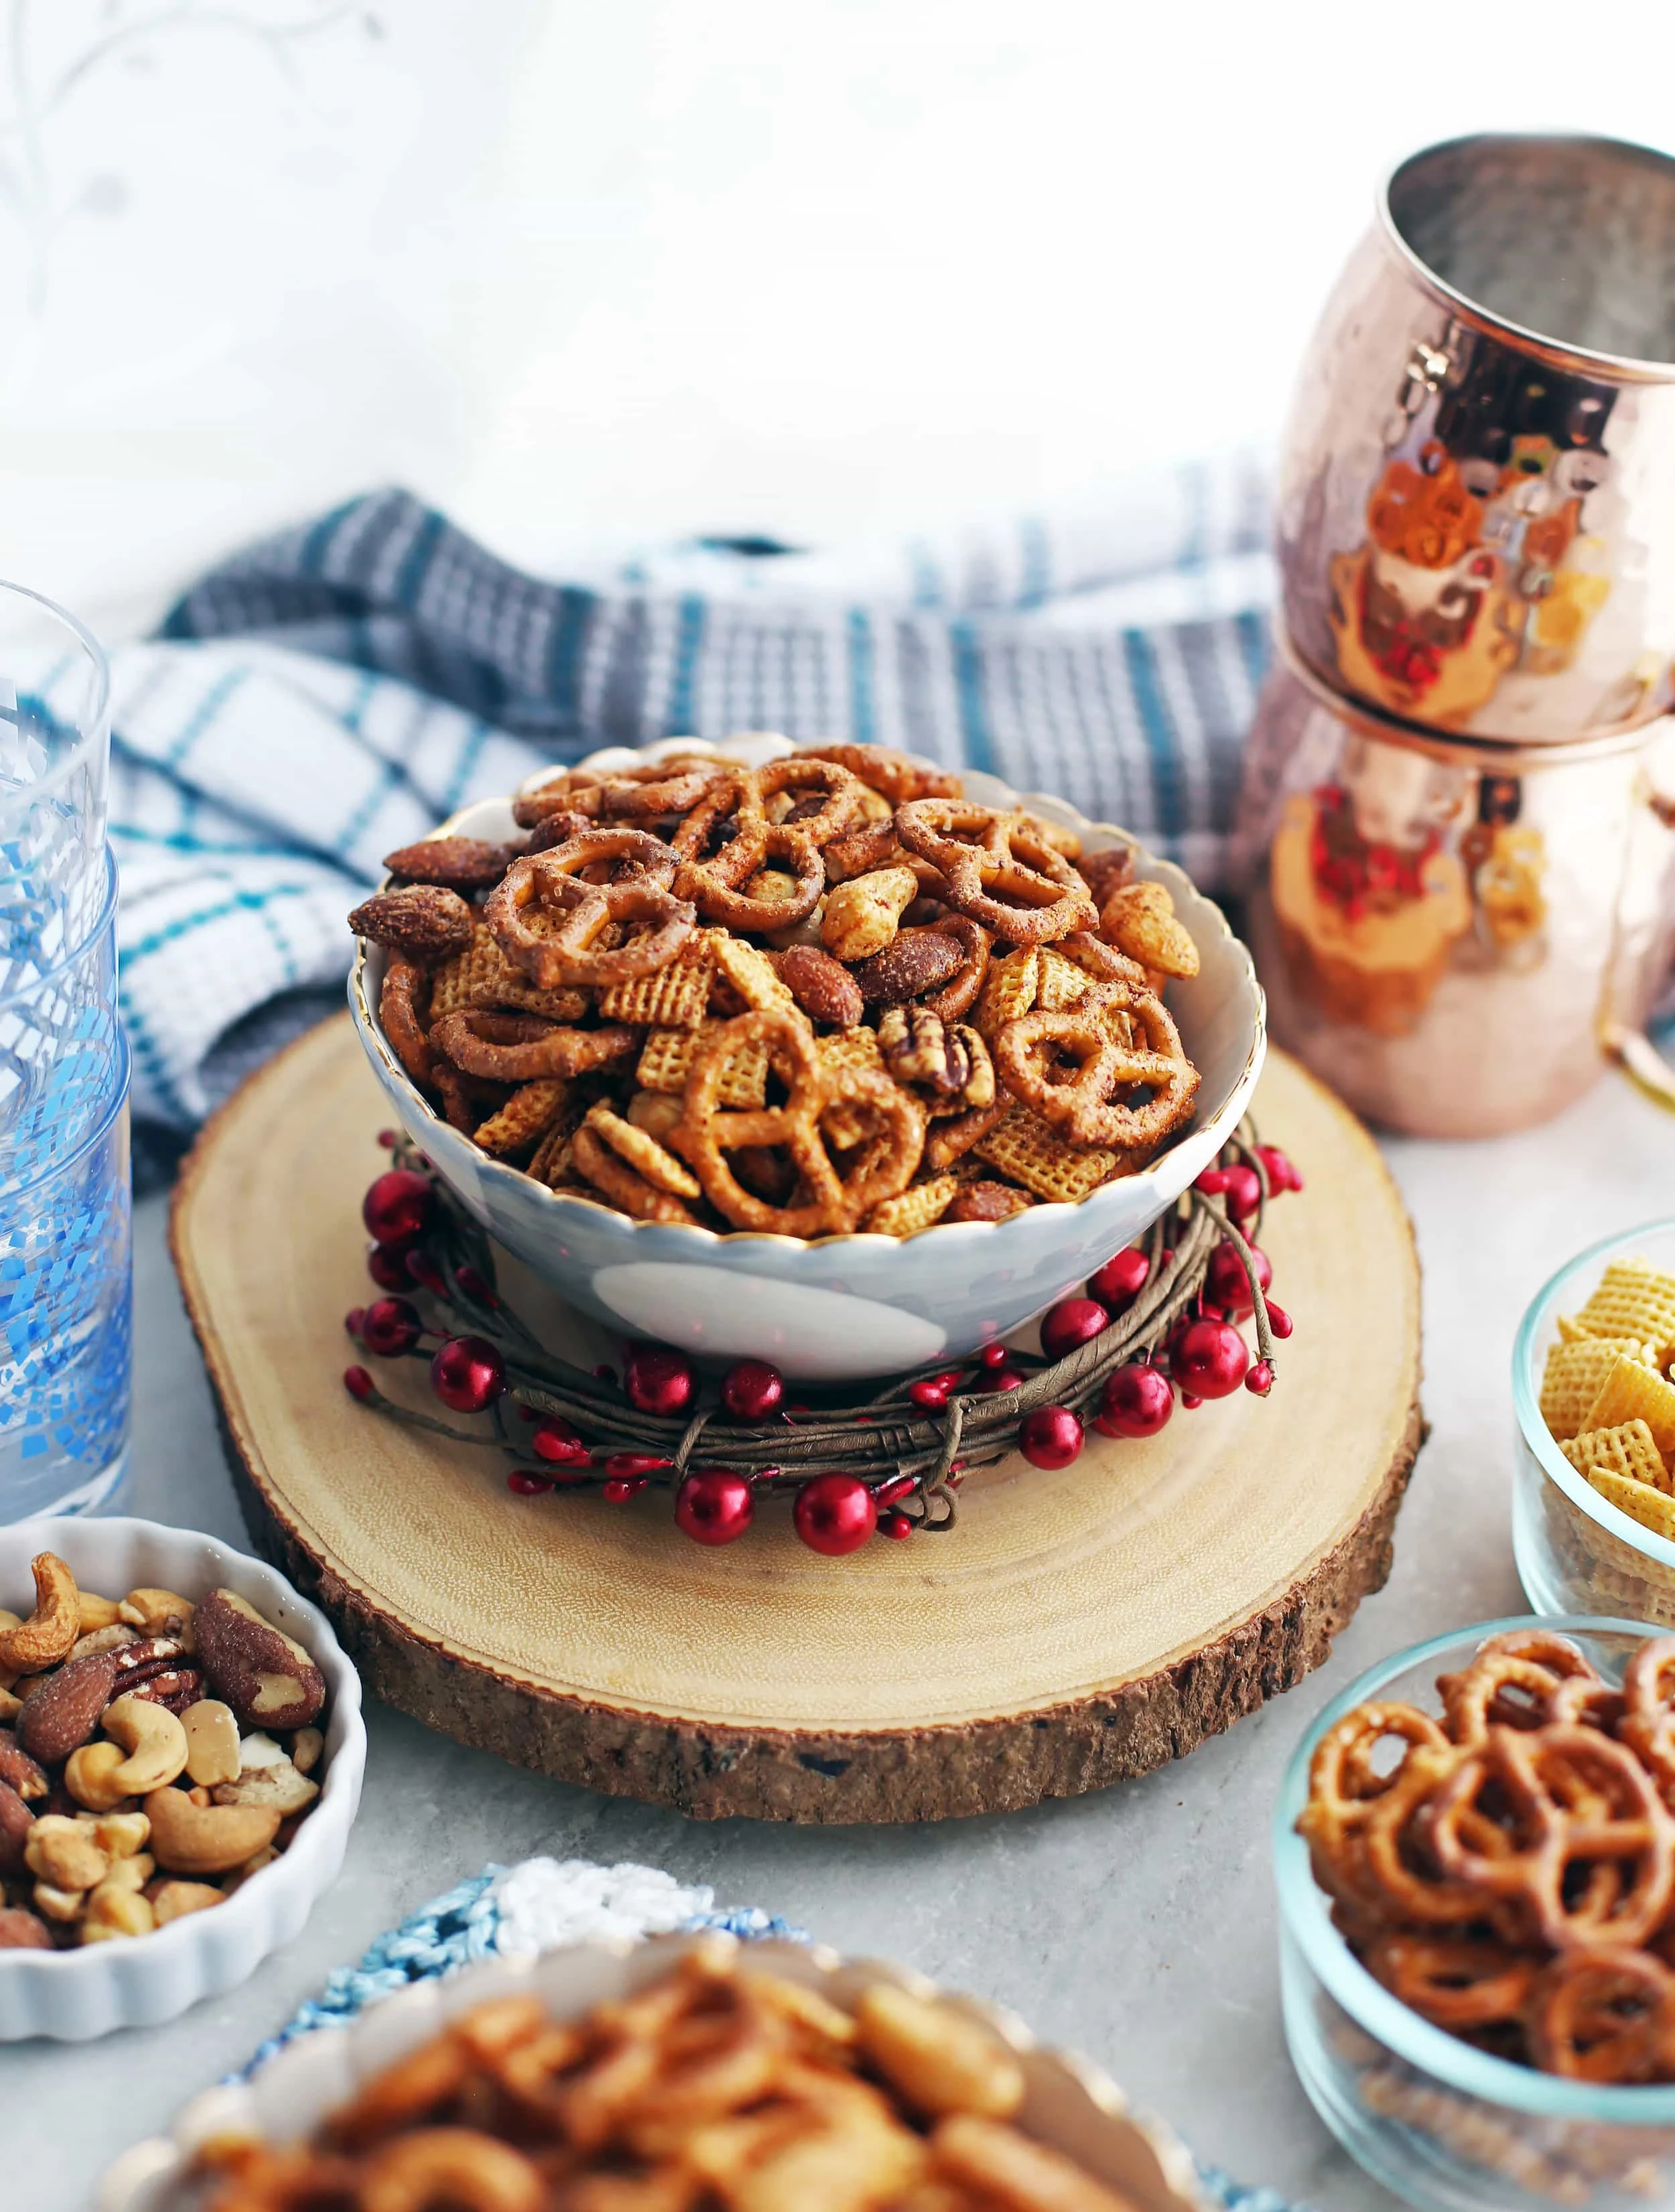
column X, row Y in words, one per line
column 1073, row 1630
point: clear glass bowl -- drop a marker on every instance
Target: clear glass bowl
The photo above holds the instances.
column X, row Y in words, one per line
column 1575, row 1551
column 1445, row 2125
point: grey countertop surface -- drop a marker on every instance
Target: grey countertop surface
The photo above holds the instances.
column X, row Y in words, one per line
column 1137, row 1925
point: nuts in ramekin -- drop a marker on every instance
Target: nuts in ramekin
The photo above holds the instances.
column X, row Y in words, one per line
column 128, row 1735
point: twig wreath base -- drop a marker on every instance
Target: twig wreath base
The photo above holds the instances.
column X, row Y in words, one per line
column 908, row 1444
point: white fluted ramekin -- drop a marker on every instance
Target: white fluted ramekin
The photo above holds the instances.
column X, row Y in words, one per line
column 834, row 1308
column 1068, row 2103
column 74, row 1995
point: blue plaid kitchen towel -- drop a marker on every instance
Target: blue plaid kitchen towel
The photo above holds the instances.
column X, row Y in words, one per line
column 334, row 691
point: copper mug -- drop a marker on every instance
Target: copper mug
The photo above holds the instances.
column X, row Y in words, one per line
column 1455, row 936
column 1477, row 516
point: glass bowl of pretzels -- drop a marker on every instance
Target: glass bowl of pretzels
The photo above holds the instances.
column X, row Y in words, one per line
column 688, row 2070
column 1475, row 1857
column 1593, row 1480
column 822, row 1055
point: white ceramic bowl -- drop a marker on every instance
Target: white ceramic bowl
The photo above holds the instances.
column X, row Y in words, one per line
column 1068, row 2103
column 76, row 1995
column 836, row 1307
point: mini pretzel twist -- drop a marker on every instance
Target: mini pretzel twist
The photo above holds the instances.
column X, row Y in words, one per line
column 673, row 786
column 1598, row 2015
column 840, row 793
column 1454, row 1981
column 959, row 993
column 732, row 803
column 897, row 775
column 1089, row 1104
column 718, row 901
column 1515, row 1680
column 1345, row 1786
column 523, row 1047
column 404, row 986
column 1566, row 1801
column 548, row 882
column 829, row 1202
column 999, row 868
column 1648, row 1723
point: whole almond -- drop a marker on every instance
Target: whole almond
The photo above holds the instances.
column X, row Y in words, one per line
column 15, row 1822
column 459, row 864
column 64, row 1712
column 24, row 1931
column 918, row 960
column 822, row 985
column 17, row 1768
column 423, row 921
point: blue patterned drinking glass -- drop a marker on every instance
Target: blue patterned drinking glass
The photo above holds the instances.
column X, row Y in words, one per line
column 64, row 1187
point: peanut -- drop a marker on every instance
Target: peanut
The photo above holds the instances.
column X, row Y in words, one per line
column 62, row 1854
column 114, row 1912
column 173, row 1900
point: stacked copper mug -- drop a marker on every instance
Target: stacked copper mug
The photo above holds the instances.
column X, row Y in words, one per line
column 1457, row 822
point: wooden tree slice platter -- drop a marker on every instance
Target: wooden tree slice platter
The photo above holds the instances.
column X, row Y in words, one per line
column 1073, row 1630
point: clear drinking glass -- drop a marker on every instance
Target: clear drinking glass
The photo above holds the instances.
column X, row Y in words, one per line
column 64, row 1187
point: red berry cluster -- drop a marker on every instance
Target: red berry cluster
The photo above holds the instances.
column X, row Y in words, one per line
column 1205, row 1356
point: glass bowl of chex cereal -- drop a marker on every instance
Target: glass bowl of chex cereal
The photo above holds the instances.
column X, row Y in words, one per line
column 1594, row 1496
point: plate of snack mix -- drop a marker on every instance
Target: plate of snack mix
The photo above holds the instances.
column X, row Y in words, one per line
column 683, row 2072
column 1475, row 1851
column 165, row 1759
column 785, row 1012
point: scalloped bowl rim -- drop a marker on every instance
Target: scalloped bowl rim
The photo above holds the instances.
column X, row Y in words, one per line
column 675, row 1237
column 399, row 2022
column 339, row 1788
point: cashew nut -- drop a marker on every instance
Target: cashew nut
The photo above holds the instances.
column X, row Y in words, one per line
column 173, row 1900
column 305, row 1749
column 158, row 1613
column 280, row 1785
column 862, row 915
column 197, row 1839
column 95, row 1613
column 62, row 1854
column 114, row 1912
column 212, row 1742
column 155, row 1740
column 90, row 1777
column 46, row 1637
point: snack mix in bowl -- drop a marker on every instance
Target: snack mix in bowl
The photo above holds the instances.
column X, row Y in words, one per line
column 1594, row 1499
column 826, row 994
column 1476, row 1858
column 711, row 2087
column 154, row 1755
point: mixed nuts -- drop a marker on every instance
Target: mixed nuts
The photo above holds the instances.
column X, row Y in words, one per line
column 155, row 1752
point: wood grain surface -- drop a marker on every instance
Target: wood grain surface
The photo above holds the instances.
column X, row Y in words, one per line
column 1075, row 1629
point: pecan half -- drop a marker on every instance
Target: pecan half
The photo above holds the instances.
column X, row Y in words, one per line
column 423, row 921
column 822, row 985
column 917, row 1049
column 459, row 864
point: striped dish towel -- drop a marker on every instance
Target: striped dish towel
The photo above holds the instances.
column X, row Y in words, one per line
column 334, row 691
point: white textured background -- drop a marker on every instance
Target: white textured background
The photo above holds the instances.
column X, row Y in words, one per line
column 596, row 274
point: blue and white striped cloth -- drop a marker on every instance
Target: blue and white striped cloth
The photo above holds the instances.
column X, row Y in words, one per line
column 332, row 693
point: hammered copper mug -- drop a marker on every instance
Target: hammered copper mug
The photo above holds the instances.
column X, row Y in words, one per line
column 1476, row 510
column 1456, row 936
